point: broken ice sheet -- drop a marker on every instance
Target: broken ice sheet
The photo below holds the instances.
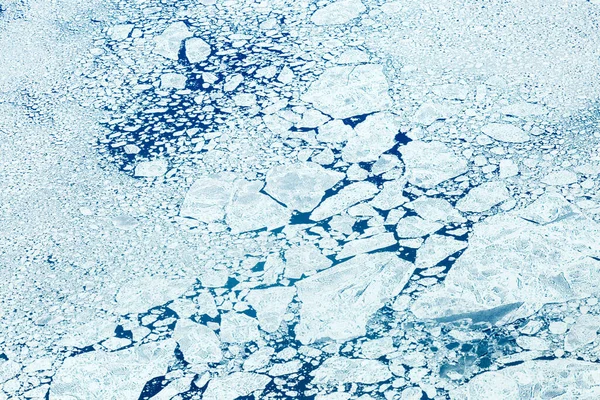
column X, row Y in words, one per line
column 374, row 136
column 510, row 261
column 431, row 163
column 235, row 385
column 121, row 374
column 338, row 12
column 301, row 186
column 346, row 91
column 564, row 379
column 337, row 302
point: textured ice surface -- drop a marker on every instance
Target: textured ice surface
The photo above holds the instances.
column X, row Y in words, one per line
column 332, row 200
column 431, row 163
column 347, row 91
column 336, row 303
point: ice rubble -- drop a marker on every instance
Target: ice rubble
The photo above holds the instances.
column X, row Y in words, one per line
column 121, row 374
column 512, row 261
column 336, row 303
column 346, row 91
column 431, row 163
column 300, row 186
column 565, row 379
column 338, row 12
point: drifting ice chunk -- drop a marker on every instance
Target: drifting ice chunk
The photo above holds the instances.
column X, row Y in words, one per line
column 145, row 293
column 340, row 370
column 438, row 210
column 302, row 259
column 428, row 113
column 335, row 132
column 429, row 164
column 346, row 197
column 250, row 210
column 436, row 249
column 301, row 186
column 198, row 343
column 511, row 261
column 564, row 379
column 483, row 197
column 336, row 303
column 338, row 12
column 271, row 305
column 386, row 163
column 169, row 42
column 451, row 91
column 353, row 56
column 508, row 168
column 172, row 81
column 196, row 50
column 116, row 375
column 415, row 227
column 391, row 195
column 346, row 91
column 312, row 119
column 258, row 359
column 207, row 198
column 505, row 133
column 233, row 82
column 374, row 136
column 583, row 332
column 235, row 385
column 560, row 178
column 376, row 348
column 523, row 110
column 366, row 245
column 548, row 208
column 121, row 32
column 287, row 368
column 238, row 328
column 151, row 168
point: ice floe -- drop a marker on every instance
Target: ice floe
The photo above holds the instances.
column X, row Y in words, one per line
column 346, row 91
column 336, row 303
column 338, row 12
column 430, row 163
column 122, row 374
column 505, row 133
column 301, row 186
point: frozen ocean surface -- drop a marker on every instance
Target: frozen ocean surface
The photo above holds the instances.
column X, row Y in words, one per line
column 294, row 199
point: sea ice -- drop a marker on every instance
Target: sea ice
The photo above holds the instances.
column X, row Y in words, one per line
column 346, row 91
column 301, row 186
column 431, row 163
